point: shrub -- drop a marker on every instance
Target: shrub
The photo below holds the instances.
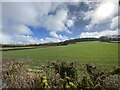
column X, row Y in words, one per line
column 58, row 75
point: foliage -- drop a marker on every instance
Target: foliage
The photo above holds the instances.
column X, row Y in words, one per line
column 58, row 75
column 65, row 69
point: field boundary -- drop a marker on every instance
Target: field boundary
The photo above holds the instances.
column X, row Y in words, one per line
column 9, row 49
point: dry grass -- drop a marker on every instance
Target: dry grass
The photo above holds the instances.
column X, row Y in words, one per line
column 15, row 75
column 56, row 75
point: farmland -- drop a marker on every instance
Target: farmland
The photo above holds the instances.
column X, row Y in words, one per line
column 84, row 62
column 102, row 54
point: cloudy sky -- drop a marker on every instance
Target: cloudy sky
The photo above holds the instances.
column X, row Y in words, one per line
column 41, row 22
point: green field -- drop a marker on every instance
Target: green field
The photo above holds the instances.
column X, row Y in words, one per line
column 102, row 54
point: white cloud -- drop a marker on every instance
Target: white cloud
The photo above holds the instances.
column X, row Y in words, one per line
column 54, row 16
column 24, row 13
column 88, row 15
column 24, row 39
column 98, row 34
column 70, row 23
column 5, row 39
column 55, row 35
column 20, row 29
column 57, row 22
column 58, row 0
column 16, row 29
column 18, row 16
column 37, row 15
column 114, row 23
column 42, row 0
column 51, row 40
column 104, row 11
column 30, row 40
column 45, row 7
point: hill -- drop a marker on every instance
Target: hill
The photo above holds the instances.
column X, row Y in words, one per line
column 112, row 38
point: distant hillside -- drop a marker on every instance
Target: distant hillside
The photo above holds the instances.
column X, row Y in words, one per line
column 111, row 38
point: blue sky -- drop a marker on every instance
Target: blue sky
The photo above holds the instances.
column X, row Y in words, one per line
column 42, row 22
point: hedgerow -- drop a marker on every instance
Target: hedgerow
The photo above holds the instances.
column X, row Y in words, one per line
column 57, row 76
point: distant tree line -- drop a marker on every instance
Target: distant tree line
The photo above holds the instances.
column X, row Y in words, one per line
column 71, row 41
column 110, row 38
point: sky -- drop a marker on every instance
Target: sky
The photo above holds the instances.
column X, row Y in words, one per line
column 34, row 22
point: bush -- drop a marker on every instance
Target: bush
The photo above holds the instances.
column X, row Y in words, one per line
column 58, row 75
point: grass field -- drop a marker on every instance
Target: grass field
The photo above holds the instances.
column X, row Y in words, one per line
column 102, row 54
